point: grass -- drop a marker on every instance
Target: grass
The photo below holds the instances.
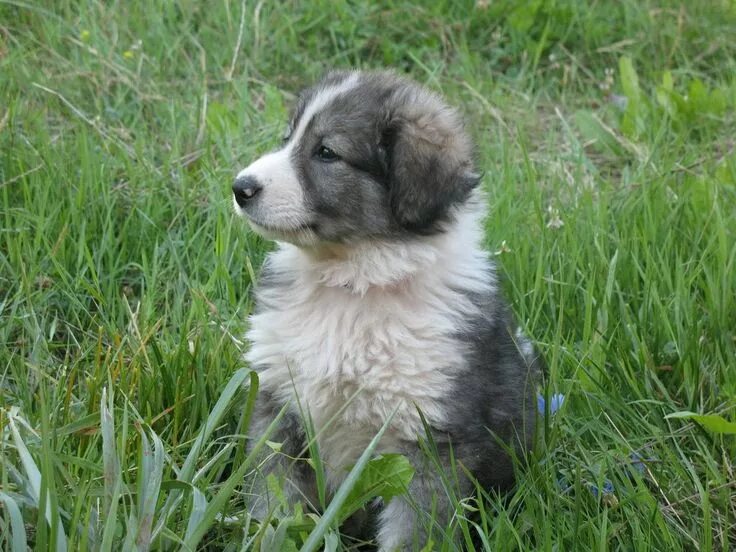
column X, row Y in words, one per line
column 606, row 133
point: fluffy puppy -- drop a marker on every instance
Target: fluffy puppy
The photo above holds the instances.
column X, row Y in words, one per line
column 380, row 298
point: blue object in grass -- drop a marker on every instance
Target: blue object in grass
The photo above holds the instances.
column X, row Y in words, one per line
column 555, row 403
column 607, row 488
column 640, row 463
column 637, row 463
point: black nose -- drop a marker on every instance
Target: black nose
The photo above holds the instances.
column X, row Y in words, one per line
column 245, row 188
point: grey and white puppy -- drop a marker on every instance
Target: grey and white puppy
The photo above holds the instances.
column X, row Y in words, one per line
column 380, row 298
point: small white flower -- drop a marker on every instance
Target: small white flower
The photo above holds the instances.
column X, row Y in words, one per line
column 607, row 82
column 555, row 221
column 503, row 249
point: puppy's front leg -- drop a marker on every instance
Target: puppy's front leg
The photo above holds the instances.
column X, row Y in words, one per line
column 397, row 529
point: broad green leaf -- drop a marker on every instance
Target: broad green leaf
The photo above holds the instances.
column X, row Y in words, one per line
column 386, row 476
column 629, row 81
column 523, row 15
column 711, row 422
column 665, row 93
column 633, row 120
column 697, row 95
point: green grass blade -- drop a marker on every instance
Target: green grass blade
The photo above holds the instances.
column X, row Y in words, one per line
column 151, row 474
column 34, row 484
column 18, row 544
column 110, row 463
column 199, row 506
column 111, row 519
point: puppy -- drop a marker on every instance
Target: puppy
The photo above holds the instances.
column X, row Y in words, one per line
column 380, row 298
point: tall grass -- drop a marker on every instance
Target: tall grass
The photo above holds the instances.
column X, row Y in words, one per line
column 605, row 131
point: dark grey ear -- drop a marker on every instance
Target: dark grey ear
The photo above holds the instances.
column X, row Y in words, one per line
column 429, row 170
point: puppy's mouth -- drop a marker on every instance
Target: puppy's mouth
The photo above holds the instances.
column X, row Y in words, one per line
column 298, row 233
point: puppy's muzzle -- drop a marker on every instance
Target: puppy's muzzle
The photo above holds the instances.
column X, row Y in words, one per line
column 245, row 188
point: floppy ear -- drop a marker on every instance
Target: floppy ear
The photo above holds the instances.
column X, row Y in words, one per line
column 429, row 166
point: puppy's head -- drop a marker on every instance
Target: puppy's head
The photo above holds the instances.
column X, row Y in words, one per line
column 365, row 155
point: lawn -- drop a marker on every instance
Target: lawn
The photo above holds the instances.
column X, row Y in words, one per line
column 606, row 133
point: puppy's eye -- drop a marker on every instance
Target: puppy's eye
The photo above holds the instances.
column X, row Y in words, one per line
column 326, row 154
column 287, row 134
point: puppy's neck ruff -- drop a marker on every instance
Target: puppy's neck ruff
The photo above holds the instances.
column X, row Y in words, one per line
column 395, row 264
column 355, row 333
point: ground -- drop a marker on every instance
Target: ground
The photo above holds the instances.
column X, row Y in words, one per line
column 605, row 132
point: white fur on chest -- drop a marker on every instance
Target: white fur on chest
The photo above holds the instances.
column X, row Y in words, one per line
column 348, row 351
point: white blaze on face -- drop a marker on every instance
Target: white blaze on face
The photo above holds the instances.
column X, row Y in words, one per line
column 281, row 203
